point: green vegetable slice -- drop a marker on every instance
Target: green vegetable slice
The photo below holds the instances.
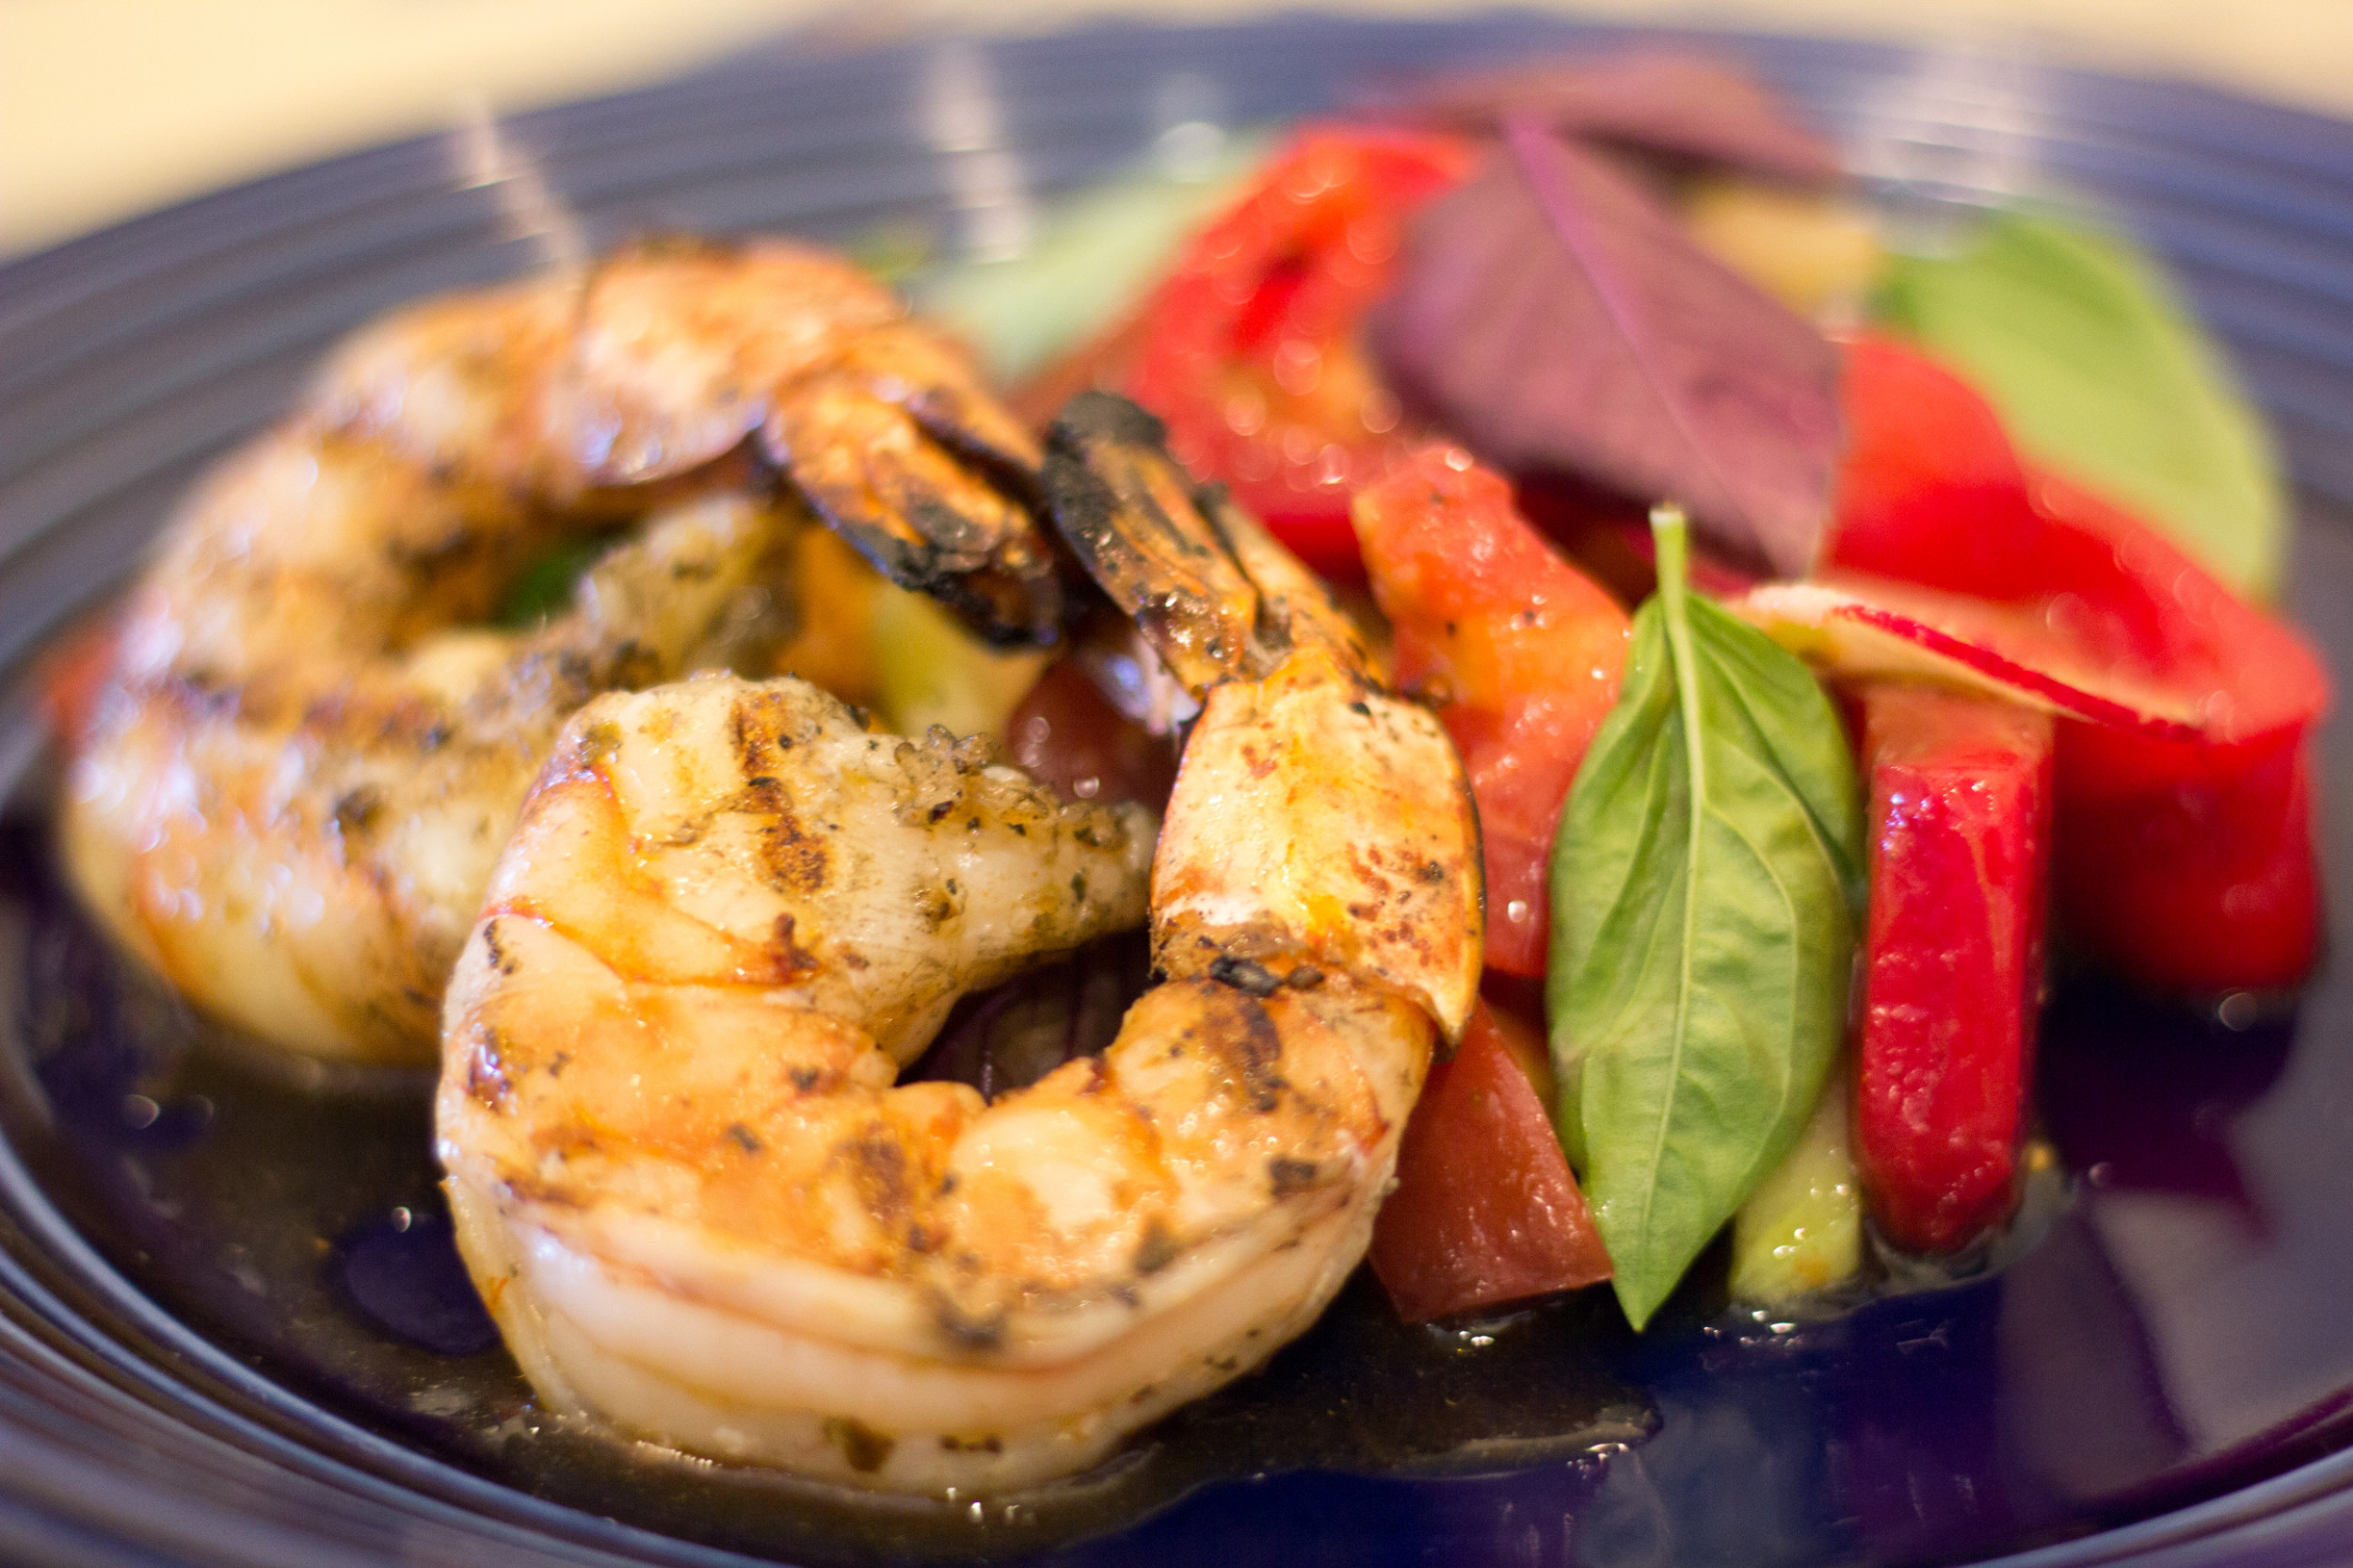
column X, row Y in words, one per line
column 1705, row 885
column 929, row 669
column 2100, row 372
column 1800, row 1231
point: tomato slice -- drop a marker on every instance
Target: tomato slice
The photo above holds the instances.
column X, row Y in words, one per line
column 1485, row 1211
column 1519, row 651
column 1251, row 348
column 2184, row 860
column 1952, row 961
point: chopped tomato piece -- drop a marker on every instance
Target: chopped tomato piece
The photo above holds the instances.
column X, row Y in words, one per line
column 1251, row 348
column 72, row 674
column 1518, row 1002
column 1606, row 533
column 1932, row 494
column 1930, row 490
column 1066, row 734
column 2191, row 863
column 1608, row 536
column 1520, row 651
column 2185, row 860
column 1485, row 1210
column 1960, row 829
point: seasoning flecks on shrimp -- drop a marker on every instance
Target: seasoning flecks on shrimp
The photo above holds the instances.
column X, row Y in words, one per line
column 313, row 744
column 685, row 1179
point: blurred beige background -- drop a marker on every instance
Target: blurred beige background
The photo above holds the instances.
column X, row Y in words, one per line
column 108, row 107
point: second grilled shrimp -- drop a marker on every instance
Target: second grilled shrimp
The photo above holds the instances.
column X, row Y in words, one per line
column 314, row 744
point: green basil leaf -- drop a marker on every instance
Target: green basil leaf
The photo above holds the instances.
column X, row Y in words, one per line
column 1706, row 885
column 545, row 587
column 2100, row 372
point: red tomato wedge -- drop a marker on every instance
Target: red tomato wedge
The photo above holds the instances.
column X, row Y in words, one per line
column 1960, row 821
column 2185, row 852
column 1251, row 348
column 1519, row 651
column 1485, row 1211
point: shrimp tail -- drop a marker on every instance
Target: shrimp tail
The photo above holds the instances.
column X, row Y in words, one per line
column 880, row 474
column 1318, row 822
column 883, row 427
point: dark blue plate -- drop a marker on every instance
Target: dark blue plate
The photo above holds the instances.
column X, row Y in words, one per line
column 230, row 1327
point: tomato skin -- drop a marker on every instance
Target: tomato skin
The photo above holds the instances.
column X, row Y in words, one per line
column 1521, row 652
column 1928, row 490
column 72, row 676
column 1251, row 350
column 1960, row 818
column 2186, row 864
column 2191, row 863
column 2204, row 882
column 1485, row 1211
column 1606, row 536
column 1066, row 734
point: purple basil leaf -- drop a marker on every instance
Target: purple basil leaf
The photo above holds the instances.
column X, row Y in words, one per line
column 1553, row 316
column 1658, row 101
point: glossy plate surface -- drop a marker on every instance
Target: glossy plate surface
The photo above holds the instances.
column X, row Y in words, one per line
column 230, row 1327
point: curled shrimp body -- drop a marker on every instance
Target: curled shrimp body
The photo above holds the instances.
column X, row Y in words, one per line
column 314, row 742
column 685, row 1178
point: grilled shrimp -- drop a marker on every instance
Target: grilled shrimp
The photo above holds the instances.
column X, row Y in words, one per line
column 685, row 1178
column 314, row 746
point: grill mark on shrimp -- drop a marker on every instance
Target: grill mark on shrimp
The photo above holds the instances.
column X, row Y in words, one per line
column 797, row 860
column 1240, row 1036
column 788, row 962
column 487, row 1080
column 878, row 1167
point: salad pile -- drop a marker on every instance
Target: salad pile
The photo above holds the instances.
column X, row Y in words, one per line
column 1829, row 628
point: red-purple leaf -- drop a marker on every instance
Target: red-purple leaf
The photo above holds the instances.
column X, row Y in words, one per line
column 1553, row 316
column 1659, row 100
